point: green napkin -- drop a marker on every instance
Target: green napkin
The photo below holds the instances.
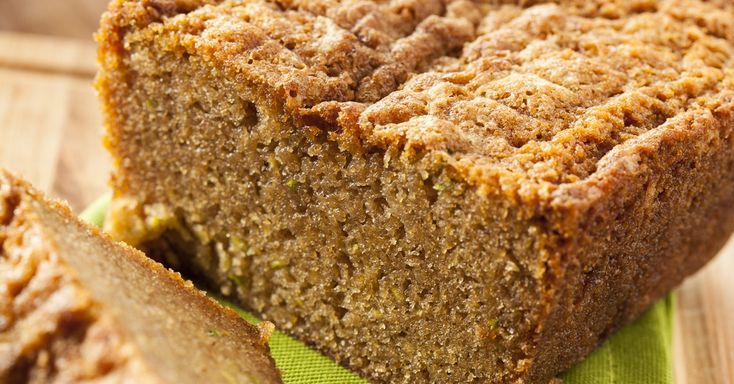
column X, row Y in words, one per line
column 639, row 353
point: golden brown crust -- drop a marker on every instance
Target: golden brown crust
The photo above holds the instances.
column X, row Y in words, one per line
column 655, row 212
column 567, row 136
column 57, row 326
column 514, row 97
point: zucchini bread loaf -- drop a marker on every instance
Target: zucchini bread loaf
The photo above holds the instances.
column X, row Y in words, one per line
column 76, row 307
column 426, row 190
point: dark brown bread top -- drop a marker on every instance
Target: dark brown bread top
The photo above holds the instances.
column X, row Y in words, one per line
column 525, row 96
column 77, row 307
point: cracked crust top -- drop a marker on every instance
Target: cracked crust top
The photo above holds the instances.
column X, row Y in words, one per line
column 512, row 95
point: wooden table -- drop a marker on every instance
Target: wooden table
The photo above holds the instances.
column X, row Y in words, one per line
column 69, row 18
column 50, row 133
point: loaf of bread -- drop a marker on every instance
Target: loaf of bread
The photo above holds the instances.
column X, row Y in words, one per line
column 75, row 307
column 426, row 190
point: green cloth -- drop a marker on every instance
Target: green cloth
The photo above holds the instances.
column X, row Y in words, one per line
column 640, row 353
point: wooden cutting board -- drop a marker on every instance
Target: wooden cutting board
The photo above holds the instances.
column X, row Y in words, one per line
column 50, row 125
column 50, row 133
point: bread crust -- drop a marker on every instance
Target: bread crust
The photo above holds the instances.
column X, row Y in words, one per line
column 603, row 128
column 67, row 312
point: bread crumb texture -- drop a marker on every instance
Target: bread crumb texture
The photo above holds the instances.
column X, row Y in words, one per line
column 425, row 190
column 51, row 329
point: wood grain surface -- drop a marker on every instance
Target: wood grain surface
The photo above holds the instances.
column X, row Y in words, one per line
column 50, row 133
column 69, row 18
column 50, row 125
